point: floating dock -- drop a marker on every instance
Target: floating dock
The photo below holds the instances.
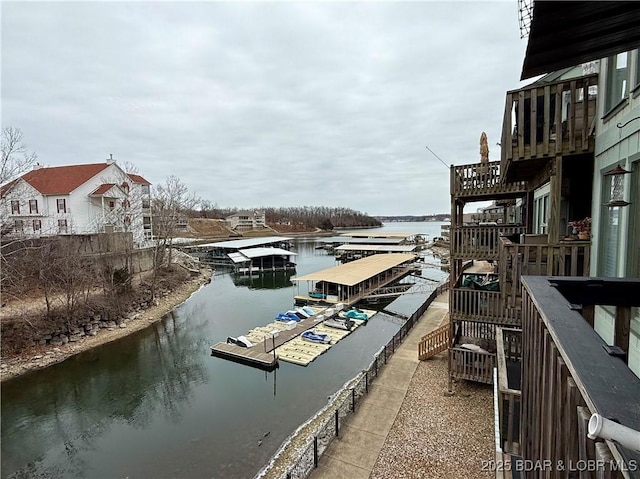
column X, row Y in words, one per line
column 281, row 340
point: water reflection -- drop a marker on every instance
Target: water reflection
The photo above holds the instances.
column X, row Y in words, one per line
column 151, row 374
column 266, row 280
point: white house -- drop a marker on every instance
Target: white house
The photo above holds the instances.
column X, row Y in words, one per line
column 76, row 199
column 246, row 220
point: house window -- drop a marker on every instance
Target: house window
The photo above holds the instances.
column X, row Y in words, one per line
column 617, row 78
column 37, row 225
column 541, row 209
column 33, row 206
column 18, row 226
column 145, row 189
column 62, row 226
column 636, row 80
column 112, row 204
column 146, row 203
column 15, row 207
column 62, row 205
column 610, row 232
column 634, row 342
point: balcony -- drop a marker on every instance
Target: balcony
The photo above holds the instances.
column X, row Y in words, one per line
column 478, row 298
column 479, row 242
column 482, row 181
column 534, row 256
column 569, row 373
column 546, row 120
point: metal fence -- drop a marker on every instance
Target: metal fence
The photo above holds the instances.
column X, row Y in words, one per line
column 345, row 404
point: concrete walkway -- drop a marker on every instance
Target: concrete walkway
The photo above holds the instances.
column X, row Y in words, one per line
column 354, row 453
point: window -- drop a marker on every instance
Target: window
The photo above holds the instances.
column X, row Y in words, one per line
column 62, row 226
column 541, row 209
column 33, row 206
column 617, row 78
column 636, row 81
column 146, row 203
column 112, row 204
column 62, row 205
column 610, row 232
column 18, row 226
column 145, row 189
column 37, row 225
column 15, row 207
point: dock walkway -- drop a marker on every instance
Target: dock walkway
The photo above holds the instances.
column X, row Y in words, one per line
column 354, row 454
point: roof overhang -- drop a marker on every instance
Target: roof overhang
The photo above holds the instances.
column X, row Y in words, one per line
column 568, row 33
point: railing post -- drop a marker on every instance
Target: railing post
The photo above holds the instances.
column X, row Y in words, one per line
column 353, row 399
column 337, row 425
column 315, row 451
column 366, row 381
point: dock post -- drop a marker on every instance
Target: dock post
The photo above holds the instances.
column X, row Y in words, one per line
column 337, row 426
column 353, row 399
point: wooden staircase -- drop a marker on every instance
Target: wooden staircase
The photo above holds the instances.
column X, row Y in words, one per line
column 433, row 343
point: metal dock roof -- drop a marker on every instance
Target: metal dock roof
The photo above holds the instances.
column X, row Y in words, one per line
column 360, row 240
column 250, row 253
column 355, row 272
column 245, row 243
column 378, row 247
column 368, row 234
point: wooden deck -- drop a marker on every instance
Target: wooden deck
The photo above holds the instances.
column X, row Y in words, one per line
column 248, row 356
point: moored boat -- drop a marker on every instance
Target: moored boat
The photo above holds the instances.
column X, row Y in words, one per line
column 314, row 336
column 339, row 323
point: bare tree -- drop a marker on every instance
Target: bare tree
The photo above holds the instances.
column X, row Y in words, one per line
column 170, row 203
column 16, row 158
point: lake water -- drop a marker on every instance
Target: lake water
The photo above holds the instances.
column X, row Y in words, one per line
column 157, row 404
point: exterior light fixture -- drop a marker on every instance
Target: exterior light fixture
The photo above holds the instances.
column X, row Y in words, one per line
column 617, row 187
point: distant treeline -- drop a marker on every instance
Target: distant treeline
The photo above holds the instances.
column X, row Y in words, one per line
column 439, row 217
column 323, row 217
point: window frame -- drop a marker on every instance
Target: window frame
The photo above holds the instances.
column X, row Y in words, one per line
column 15, row 207
column 63, row 226
column 36, row 225
column 33, row 205
column 64, row 205
column 613, row 97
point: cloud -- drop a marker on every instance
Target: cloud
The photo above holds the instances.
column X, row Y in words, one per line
column 266, row 104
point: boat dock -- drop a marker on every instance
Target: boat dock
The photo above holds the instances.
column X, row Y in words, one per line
column 280, row 340
column 350, row 282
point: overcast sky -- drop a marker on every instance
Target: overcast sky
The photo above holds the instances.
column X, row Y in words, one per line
column 266, row 103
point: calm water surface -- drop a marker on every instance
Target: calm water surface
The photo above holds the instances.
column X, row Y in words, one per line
column 156, row 404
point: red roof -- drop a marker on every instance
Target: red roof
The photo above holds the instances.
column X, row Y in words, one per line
column 60, row 180
column 138, row 179
column 102, row 189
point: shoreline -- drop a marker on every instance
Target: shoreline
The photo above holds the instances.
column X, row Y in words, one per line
column 50, row 355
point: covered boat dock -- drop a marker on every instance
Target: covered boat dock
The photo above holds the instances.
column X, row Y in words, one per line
column 350, row 282
column 252, row 260
column 218, row 253
column 351, row 252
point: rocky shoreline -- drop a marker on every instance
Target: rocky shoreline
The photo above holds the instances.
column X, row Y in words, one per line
column 56, row 353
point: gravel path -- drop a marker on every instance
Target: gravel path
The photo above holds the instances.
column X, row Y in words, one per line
column 435, row 435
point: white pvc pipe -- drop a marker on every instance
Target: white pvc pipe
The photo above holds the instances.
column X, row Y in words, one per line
column 601, row 427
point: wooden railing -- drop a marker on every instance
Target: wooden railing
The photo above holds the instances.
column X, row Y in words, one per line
column 482, row 180
column 479, row 242
column 433, row 343
column 548, row 120
column 569, row 258
column 567, row 376
column 479, row 305
column 472, row 365
column 509, row 352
